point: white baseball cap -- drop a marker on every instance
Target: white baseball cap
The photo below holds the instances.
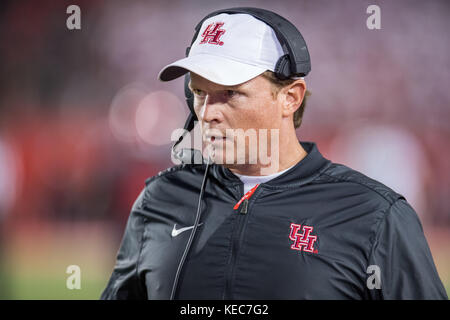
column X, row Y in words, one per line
column 230, row 49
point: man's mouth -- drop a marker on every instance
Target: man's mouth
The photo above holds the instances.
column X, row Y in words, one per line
column 215, row 138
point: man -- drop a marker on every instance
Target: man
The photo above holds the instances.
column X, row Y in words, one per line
column 285, row 223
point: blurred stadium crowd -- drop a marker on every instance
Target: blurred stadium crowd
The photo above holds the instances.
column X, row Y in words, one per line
column 83, row 120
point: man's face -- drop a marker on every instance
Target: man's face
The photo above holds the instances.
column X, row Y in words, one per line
column 237, row 121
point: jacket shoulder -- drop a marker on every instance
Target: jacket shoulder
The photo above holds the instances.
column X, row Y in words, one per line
column 182, row 169
column 340, row 173
column 187, row 173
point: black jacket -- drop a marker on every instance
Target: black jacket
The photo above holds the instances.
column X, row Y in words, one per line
column 319, row 231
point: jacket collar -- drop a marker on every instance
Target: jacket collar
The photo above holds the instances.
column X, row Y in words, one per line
column 306, row 170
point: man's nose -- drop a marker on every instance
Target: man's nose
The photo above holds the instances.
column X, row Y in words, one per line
column 210, row 110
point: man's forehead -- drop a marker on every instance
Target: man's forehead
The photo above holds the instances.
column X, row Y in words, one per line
column 197, row 81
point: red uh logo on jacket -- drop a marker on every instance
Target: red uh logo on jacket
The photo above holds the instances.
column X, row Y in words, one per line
column 302, row 241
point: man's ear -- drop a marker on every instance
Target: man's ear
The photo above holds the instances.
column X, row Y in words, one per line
column 293, row 96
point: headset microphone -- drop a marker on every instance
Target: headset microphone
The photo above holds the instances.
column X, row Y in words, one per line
column 188, row 155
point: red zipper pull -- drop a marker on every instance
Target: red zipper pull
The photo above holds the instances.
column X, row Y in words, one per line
column 246, row 196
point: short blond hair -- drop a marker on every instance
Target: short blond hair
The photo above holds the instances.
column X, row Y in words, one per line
column 278, row 85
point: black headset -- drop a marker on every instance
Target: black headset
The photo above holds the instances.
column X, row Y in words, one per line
column 294, row 63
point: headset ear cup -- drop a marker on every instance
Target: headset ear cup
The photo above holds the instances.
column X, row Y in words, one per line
column 283, row 68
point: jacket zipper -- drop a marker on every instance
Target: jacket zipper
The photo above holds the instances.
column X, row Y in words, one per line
column 235, row 246
column 244, row 207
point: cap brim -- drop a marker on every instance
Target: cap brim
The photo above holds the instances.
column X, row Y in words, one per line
column 217, row 69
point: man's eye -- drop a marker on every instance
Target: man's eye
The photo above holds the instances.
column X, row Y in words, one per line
column 198, row 92
column 230, row 93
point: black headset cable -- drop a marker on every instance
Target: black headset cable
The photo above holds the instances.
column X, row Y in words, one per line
column 192, row 235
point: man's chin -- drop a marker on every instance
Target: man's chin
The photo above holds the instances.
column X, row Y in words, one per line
column 218, row 155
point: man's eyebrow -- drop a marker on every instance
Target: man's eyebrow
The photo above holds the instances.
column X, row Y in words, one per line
column 235, row 87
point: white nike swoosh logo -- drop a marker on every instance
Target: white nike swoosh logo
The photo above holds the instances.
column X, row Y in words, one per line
column 176, row 232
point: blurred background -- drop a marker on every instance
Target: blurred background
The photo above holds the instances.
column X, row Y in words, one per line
column 83, row 120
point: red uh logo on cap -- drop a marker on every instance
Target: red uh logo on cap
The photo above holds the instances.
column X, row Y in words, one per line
column 213, row 33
